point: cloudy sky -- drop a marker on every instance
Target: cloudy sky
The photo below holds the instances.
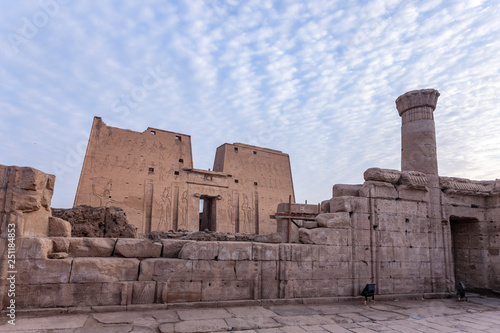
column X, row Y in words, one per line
column 315, row 79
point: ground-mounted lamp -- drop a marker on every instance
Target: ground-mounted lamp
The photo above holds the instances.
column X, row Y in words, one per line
column 461, row 291
column 369, row 291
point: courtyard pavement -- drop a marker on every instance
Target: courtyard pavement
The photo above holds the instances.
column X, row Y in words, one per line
column 479, row 314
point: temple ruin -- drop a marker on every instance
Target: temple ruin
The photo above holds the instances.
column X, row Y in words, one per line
column 150, row 175
column 410, row 232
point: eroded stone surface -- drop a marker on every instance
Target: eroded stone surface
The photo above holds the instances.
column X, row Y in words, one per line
column 137, row 248
column 104, row 270
column 59, row 228
column 87, row 221
column 338, row 220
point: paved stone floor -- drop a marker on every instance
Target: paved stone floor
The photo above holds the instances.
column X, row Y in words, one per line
column 479, row 314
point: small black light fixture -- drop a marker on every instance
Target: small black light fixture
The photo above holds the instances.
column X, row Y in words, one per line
column 369, row 291
column 461, row 291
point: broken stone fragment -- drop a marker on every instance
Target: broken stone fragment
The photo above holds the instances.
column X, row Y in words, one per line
column 172, row 247
column 91, row 247
column 59, row 227
column 346, row 190
column 58, row 255
column 414, row 179
column 137, row 248
column 382, row 175
column 324, row 236
column 338, row 220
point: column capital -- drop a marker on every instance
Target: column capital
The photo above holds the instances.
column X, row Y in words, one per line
column 417, row 99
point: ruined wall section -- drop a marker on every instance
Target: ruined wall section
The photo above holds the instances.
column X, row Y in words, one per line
column 139, row 172
column 260, row 179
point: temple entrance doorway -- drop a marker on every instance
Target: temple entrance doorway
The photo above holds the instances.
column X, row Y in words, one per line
column 208, row 213
column 467, row 252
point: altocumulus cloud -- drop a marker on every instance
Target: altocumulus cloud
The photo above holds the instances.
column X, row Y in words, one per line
column 316, row 80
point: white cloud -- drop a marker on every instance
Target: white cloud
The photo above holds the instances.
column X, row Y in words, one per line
column 316, row 80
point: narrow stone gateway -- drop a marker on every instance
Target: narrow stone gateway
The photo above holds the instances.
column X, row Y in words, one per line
column 410, row 232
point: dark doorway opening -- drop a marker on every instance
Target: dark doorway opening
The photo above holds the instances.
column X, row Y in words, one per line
column 468, row 253
column 208, row 213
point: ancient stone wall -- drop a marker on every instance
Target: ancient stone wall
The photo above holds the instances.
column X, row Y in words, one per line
column 150, row 175
column 107, row 271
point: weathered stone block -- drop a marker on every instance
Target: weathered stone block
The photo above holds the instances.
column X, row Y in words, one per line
column 325, row 206
column 86, row 293
column 60, row 244
column 33, row 248
column 226, row 290
column 406, row 193
column 414, row 180
column 361, row 221
column 177, row 291
column 331, row 270
column 199, row 251
column 380, row 190
column 143, row 292
column 91, row 247
column 338, row 220
column 43, row 296
column 328, row 253
column 386, row 207
column 325, row 236
column 104, row 270
column 298, row 270
column 362, row 270
column 362, row 237
column 341, row 204
column 245, row 270
column 345, row 190
column 235, row 251
column 165, row 270
column 269, row 280
column 213, row 270
column 316, row 288
column 137, row 248
column 304, row 252
column 264, row 252
column 59, row 228
column 362, row 253
column 58, row 255
column 286, row 252
column 41, row 271
column 382, row 175
column 172, row 247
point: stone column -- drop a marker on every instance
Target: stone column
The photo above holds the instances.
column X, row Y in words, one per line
column 418, row 135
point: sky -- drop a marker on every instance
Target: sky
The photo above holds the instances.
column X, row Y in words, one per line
column 314, row 79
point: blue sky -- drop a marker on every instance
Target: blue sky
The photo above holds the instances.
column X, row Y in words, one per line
column 315, row 79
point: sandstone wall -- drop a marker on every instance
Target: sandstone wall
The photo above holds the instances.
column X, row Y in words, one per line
column 99, row 272
column 25, row 196
column 412, row 231
column 150, row 175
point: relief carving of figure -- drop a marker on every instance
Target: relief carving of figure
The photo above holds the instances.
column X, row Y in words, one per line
column 104, row 196
column 184, row 210
column 247, row 213
column 165, row 206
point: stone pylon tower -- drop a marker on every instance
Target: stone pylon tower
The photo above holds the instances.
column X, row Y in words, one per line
column 418, row 134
